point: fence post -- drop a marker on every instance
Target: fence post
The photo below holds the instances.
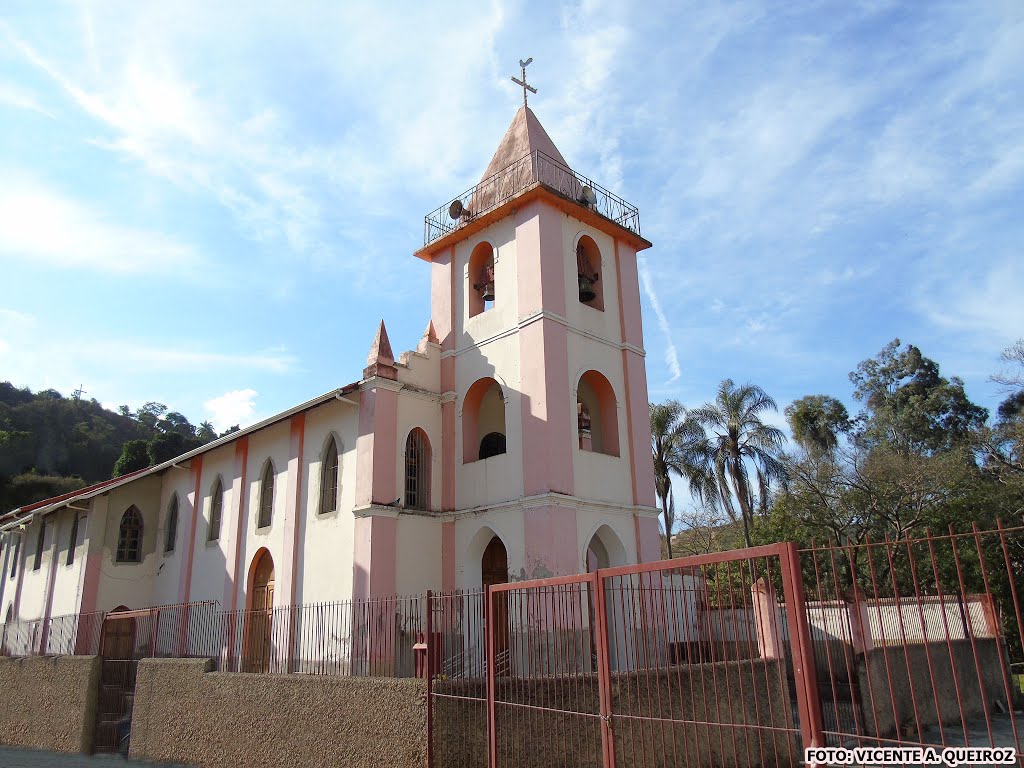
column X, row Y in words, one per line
column 603, row 671
column 860, row 625
column 766, row 619
column 491, row 661
column 808, row 698
column 155, row 630
column 430, row 678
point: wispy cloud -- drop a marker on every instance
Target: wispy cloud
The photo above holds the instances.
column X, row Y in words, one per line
column 45, row 226
column 234, row 407
column 17, row 97
column 152, row 357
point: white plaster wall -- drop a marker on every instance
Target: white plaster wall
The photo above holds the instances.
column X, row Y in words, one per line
column 325, row 541
column 209, row 561
column 606, row 324
column 423, row 411
column 270, row 443
column 418, row 555
column 167, row 581
column 33, row 590
column 130, row 584
column 66, row 592
column 421, row 368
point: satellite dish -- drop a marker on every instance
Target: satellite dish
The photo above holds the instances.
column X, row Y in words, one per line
column 588, row 196
column 457, row 210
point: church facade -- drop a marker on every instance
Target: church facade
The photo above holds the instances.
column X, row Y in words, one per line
column 513, row 442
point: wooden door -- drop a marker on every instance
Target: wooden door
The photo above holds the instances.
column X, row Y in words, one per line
column 494, row 570
column 259, row 622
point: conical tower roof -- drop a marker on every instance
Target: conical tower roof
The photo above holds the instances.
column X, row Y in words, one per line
column 524, row 136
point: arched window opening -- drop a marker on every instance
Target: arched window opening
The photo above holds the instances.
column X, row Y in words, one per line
column 129, row 537
column 605, row 550
column 597, row 418
column 216, row 511
column 172, row 524
column 483, row 421
column 73, row 539
column 417, row 470
column 266, row 513
column 481, row 279
column 329, row 479
column 40, row 543
column 588, row 269
column 14, row 559
column 597, row 555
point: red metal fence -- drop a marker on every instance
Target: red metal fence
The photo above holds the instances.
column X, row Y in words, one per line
column 921, row 642
column 740, row 658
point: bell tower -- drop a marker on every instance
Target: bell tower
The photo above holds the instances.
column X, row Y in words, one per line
column 535, row 301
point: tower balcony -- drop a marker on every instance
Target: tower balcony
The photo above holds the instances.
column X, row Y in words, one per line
column 535, row 169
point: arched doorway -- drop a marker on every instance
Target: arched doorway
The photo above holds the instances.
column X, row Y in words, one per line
column 260, row 616
column 494, row 570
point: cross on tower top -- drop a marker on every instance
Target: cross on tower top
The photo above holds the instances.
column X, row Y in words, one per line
column 526, row 87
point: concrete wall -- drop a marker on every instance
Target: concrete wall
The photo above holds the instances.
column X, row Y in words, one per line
column 49, row 702
column 728, row 693
column 183, row 712
column 949, row 665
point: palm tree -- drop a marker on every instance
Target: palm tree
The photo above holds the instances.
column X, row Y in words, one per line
column 739, row 438
column 678, row 445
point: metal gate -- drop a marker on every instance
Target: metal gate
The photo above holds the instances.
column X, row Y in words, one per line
column 695, row 661
column 119, row 659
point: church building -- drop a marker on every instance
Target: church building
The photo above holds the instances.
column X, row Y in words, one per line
column 512, row 443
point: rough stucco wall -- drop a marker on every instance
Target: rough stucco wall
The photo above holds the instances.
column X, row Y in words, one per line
column 729, row 693
column 926, row 684
column 183, row 712
column 49, row 702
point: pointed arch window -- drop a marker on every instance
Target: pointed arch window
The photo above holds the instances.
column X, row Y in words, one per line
column 172, row 524
column 216, row 511
column 129, row 537
column 40, row 543
column 266, row 514
column 417, row 470
column 329, row 479
column 14, row 559
column 73, row 540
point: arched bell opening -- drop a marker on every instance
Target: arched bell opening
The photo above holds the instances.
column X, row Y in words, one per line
column 597, row 419
column 481, row 279
column 588, row 273
column 483, row 421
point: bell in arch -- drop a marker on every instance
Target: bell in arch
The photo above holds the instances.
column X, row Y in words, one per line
column 587, row 276
column 486, row 284
column 587, row 292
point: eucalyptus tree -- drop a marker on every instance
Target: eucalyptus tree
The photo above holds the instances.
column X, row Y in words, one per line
column 738, row 442
column 678, row 445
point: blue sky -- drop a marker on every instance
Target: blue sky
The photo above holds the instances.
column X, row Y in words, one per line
column 212, row 204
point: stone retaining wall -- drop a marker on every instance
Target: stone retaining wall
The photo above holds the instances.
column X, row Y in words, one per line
column 49, row 702
column 186, row 713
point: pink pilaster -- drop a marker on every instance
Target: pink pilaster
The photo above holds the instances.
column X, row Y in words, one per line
column 860, row 623
column 293, row 509
column 766, row 619
column 648, row 538
column 240, row 496
column 192, row 512
column 374, row 550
